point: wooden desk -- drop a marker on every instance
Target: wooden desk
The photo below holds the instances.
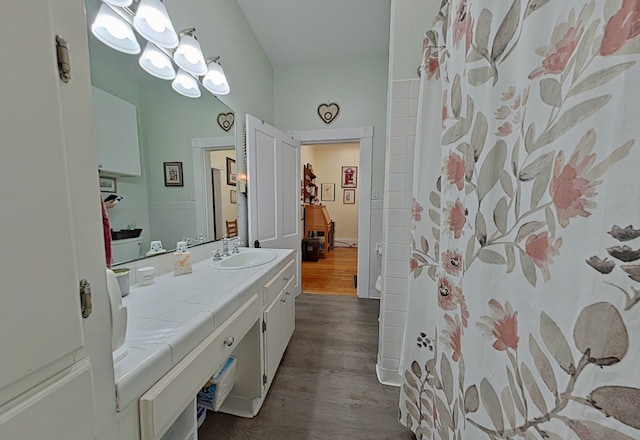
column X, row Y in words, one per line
column 316, row 218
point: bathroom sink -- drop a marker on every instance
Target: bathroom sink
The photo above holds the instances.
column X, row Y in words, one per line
column 246, row 258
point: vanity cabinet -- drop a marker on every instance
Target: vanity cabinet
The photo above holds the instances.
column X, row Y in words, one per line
column 278, row 320
column 116, row 129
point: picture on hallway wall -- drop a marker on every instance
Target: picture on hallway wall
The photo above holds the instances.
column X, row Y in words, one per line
column 349, row 177
column 231, row 172
column 328, row 193
column 349, row 197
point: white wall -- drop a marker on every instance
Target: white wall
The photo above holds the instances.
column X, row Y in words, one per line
column 410, row 19
column 327, row 161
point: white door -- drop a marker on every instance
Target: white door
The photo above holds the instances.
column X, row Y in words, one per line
column 273, row 174
column 48, row 192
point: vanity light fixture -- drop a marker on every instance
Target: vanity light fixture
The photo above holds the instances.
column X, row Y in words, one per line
column 186, row 85
column 113, row 31
column 153, row 23
column 121, row 3
column 157, row 63
column 188, row 54
column 215, row 80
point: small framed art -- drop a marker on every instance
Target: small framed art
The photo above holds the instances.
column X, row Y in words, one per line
column 173, row 174
column 349, row 177
column 108, row 184
column 328, row 192
column 231, row 172
column 349, row 196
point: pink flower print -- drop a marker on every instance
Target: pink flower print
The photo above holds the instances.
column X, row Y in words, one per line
column 452, row 335
column 448, row 294
column 621, row 27
column 503, row 112
column 462, row 26
column 509, row 94
column 452, row 262
column 416, row 211
column 558, row 59
column 445, row 111
column 455, row 170
column 569, row 188
column 540, row 249
column 456, row 217
column 433, row 67
column 501, row 325
column 517, row 102
column 413, row 264
column 505, row 129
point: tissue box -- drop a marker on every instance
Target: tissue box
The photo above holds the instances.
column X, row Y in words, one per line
column 182, row 263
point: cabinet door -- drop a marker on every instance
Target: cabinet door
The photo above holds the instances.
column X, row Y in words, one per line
column 41, row 329
column 116, row 128
column 274, row 336
column 289, row 315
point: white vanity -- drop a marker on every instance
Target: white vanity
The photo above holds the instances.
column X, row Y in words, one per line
column 182, row 329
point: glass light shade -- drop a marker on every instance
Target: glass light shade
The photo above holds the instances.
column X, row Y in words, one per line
column 153, row 23
column 188, row 56
column 121, row 3
column 215, row 80
column 155, row 62
column 113, row 31
column 186, row 85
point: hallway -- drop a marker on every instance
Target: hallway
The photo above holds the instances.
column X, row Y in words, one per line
column 332, row 275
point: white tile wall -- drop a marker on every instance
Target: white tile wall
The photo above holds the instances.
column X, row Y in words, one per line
column 396, row 216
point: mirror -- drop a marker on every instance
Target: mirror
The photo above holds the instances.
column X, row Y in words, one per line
column 168, row 125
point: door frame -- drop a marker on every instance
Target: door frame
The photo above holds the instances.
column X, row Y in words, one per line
column 363, row 135
column 200, row 148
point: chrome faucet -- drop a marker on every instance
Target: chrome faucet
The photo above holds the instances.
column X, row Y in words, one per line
column 236, row 245
column 225, row 247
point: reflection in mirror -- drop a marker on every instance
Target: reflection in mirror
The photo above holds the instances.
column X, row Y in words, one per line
column 157, row 198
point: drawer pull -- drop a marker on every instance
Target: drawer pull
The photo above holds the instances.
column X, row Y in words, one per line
column 229, row 341
column 287, row 293
column 286, row 279
column 283, row 299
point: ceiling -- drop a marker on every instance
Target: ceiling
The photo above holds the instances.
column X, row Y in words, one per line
column 302, row 31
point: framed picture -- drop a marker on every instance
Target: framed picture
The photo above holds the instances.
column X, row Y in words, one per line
column 349, row 177
column 173, row 174
column 349, row 197
column 231, row 172
column 107, row 184
column 233, row 196
column 328, row 192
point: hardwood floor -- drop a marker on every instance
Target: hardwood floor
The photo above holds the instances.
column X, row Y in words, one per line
column 326, row 387
column 332, row 275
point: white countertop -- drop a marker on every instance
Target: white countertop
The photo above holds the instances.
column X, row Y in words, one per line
column 168, row 319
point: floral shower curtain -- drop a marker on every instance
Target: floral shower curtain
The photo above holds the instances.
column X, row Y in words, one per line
column 525, row 270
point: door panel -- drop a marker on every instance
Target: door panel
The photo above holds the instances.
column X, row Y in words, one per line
column 273, row 165
column 62, row 410
column 39, row 311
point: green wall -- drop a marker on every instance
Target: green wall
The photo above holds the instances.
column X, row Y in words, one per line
column 357, row 85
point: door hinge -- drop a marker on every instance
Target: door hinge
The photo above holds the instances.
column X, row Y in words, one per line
column 264, row 379
column 264, row 326
column 85, row 298
column 64, row 62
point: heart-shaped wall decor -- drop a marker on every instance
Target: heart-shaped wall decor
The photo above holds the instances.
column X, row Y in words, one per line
column 328, row 112
column 225, row 121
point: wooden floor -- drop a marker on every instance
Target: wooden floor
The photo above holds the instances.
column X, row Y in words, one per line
column 326, row 387
column 332, row 275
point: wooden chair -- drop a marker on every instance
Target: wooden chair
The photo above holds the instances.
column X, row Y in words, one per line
column 232, row 228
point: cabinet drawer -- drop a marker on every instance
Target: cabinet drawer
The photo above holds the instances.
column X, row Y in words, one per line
column 277, row 283
column 161, row 405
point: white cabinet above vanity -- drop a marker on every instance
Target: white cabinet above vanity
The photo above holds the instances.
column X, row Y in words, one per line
column 116, row 129
column 182, row 329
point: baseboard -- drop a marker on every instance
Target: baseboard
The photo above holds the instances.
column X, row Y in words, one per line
column 388, row 377
column 345, row 242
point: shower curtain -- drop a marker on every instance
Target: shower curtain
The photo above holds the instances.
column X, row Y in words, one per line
column 524, row 316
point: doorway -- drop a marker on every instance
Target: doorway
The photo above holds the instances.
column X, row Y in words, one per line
column 331, row 172
column 363, row 136
column 211, row 159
